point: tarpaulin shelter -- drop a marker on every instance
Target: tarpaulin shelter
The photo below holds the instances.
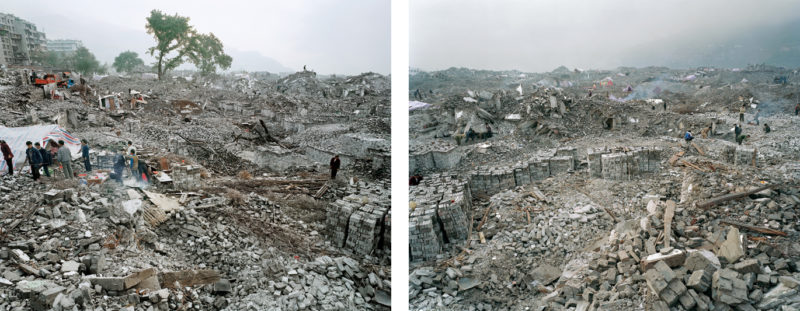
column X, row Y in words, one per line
column 414, row 105
column 17, row 136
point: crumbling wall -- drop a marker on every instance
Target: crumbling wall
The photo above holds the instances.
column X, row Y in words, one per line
column 441, row 156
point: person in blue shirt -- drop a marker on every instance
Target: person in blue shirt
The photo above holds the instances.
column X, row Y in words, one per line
column 85, row 155
column 688, row 137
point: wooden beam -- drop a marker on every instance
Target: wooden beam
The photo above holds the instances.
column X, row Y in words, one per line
column 731, row 196
column 763, row 230
column 669, row 212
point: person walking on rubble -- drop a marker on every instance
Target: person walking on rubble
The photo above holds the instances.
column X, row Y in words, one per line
column 335, row 164
column 47, row 159
column 742, row 110
column 767, row 129
column 8, row 156
column 755, row 117
column 65, row 158
column 797, row 109
column 737, row 130
column 34, row 158
column 135, row 166
column 85, row 155
column 128, row 152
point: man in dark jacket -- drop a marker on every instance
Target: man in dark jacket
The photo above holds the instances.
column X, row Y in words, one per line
column 119, row 165
column 335, row 164
column 85, row 155
column 47, row 158
column 8, row 156
column 737, row 130
column 34, row 158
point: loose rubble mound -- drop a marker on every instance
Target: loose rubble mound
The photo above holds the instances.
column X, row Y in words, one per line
column 241, row 216
column 580, row 202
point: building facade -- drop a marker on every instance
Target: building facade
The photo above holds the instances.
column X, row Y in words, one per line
column 19, row 39
column 64, row 45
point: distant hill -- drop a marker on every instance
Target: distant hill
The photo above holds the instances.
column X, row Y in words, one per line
column 777, row 45
column 255, row 61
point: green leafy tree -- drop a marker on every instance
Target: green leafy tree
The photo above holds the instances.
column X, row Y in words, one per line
column 127, row 61
column 173, row 36
column 84, row 61
column 178, row 42
column 207, row 54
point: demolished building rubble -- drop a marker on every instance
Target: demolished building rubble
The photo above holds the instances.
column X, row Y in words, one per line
column 239, row 213
column 595, row 202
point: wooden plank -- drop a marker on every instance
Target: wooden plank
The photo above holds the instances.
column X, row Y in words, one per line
column 669, row 212
column 698, row 149
column 763, row 230
column 675, row 158
column 186, row 278
column 731, row 196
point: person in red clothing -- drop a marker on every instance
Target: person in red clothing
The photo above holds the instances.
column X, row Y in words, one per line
column 335, row 164
column 8, row 156
column 415, row 180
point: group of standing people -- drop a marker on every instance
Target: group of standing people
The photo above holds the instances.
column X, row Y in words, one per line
column 43, row 158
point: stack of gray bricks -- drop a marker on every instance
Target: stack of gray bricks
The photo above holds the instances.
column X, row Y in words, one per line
column 593, row 157
column 387, row 231
column 453, row 217
column 364, row 229
column 539, row 168
column 424, row 236
column 186, row 177
column 744, row 156
column 561, row 165
column 442, row 204
column 568, row 152
column 337, row 217
column 628, row 165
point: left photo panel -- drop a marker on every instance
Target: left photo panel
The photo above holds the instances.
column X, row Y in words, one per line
column 195, row 155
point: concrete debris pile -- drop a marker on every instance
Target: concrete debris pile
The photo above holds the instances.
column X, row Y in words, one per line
column 230, row 215
column 587, row 196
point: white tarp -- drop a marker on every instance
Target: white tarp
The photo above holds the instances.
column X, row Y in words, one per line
column 17, row 136
column 414, row 105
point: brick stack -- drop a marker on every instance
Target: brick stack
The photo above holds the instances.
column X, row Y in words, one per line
column 744, row 156
column 337, row 217
column 186, row 177
column 561, row 165
column 364, row 229
column 593, row 156
column 442, row 203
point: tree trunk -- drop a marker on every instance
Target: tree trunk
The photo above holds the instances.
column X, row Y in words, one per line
column 160, row 58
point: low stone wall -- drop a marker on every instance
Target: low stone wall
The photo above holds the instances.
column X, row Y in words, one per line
column 620, row 165
column 444, row 158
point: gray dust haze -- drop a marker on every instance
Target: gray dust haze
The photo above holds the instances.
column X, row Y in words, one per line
column 542, row 35
column 344, row 37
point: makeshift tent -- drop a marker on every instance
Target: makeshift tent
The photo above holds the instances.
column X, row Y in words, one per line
column 17, row 136
column 414, row 105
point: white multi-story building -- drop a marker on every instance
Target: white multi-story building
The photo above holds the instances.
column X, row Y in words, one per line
column 64, row 45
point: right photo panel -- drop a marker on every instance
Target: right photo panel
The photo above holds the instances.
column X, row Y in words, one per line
column 605, row 155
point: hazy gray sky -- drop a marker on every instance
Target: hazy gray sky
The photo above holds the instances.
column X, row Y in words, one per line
column 341, row 36
column 541, row 35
